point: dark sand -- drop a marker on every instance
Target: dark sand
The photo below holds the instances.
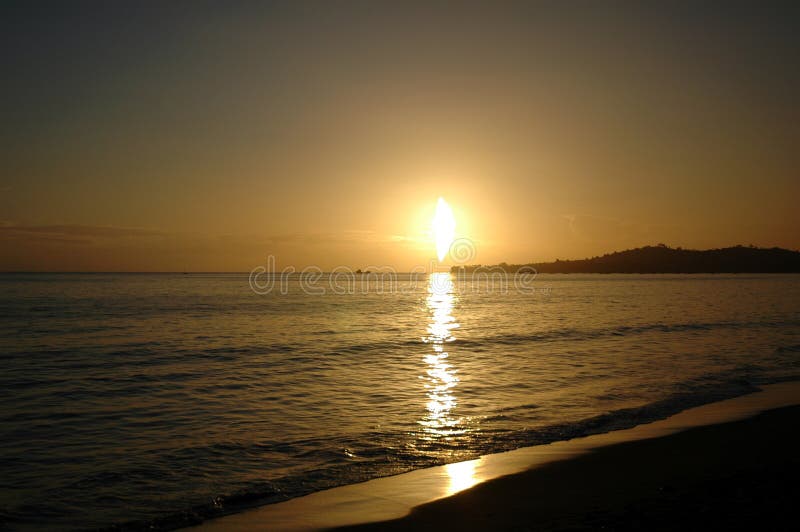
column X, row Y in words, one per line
column 741, row 475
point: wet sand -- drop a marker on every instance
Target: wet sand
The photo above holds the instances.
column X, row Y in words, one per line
column 728, row 465
column 735, row 476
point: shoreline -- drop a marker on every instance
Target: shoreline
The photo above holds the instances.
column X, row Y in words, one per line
column 741, row 475
column 385, row 502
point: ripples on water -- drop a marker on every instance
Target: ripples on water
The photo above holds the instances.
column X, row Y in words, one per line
column 133, row 398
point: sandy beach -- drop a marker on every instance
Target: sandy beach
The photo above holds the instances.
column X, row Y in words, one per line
column 735, row 476
column 728, row 465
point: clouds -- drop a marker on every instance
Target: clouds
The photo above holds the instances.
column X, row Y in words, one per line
column 70, row 247
column 73, row 233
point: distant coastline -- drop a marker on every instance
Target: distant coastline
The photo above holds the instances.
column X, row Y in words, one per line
column 664, row 259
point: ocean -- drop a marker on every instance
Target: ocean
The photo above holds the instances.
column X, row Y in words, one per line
column 157, row 400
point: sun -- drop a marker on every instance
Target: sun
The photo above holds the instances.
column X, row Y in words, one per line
column 444, row 228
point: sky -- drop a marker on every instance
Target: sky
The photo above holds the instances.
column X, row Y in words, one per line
column 205, row 136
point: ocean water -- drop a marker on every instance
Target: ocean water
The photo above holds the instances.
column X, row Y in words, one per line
column 158, row 400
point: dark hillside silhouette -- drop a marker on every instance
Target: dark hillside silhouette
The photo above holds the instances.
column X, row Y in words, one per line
column 663, row 259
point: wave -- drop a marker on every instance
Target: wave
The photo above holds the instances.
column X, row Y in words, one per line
column 357, row 458
column 575, row 334
column 158, row 353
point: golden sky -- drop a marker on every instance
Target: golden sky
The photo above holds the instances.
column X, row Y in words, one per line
column 203, row 136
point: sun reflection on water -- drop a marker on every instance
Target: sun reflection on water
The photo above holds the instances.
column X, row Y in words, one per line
column 440, row 376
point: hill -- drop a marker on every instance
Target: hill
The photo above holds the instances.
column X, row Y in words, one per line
column 664, row 259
